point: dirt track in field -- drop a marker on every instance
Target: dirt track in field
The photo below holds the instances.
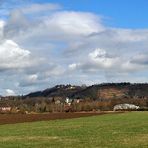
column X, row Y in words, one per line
column 20, row 118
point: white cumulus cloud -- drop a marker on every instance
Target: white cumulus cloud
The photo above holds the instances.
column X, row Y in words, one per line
column 102, row 59
column 76, row 22
column 9, row 92
column 12, row 56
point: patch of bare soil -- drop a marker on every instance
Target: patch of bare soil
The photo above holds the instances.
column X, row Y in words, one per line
column 20, row 118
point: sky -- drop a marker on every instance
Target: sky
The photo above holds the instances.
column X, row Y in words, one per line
column 49, row 42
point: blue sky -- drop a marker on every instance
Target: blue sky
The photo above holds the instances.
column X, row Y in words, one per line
column 48, row 42
column 117, row 13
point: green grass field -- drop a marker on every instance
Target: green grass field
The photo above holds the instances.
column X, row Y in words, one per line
column 105, row 131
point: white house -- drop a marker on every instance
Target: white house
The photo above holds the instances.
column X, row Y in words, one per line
column 5, row 109
column 68, row 101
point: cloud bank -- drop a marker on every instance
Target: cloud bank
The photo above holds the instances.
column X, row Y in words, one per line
column 42, row 45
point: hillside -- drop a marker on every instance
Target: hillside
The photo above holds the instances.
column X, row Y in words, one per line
column 100, row 91
column 57, row 91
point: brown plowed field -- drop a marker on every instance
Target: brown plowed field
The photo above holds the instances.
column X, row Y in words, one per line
column 20, row 118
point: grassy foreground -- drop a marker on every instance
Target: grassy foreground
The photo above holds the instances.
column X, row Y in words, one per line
column 105, row 131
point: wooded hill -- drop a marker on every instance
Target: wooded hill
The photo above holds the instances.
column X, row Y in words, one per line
column 95, row 92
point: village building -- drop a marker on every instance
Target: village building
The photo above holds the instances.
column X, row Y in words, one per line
column 5, row 109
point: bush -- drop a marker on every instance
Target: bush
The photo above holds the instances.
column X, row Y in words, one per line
column 143, row 109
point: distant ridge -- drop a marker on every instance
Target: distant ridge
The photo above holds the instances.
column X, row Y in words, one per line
column 97, row 91
column 58, row 90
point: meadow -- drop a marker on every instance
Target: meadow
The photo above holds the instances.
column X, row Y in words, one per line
column 124, row 130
